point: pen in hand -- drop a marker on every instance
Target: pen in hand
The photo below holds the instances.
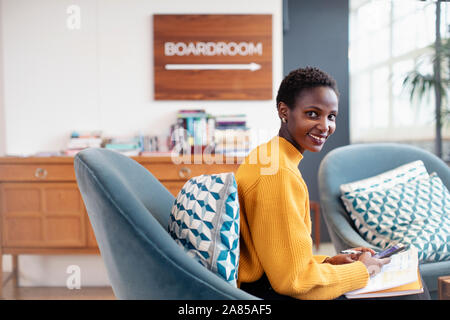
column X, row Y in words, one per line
column 349, row 255
column 350, row 251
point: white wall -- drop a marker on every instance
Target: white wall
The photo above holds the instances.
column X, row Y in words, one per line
column 100, row 78
column 2, row 117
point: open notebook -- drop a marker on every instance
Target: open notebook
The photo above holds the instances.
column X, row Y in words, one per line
column 399, row 277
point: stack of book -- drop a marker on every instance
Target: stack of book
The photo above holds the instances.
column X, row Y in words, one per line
column 129, row 146
column 82, row 140
column 153, row 145
column 232, row 137
column 193, row 130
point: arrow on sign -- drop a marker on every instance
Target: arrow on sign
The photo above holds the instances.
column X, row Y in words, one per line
column 249, row 66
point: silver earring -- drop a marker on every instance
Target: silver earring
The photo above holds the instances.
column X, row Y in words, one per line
column 283, row 120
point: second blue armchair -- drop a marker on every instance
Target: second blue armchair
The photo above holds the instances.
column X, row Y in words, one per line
column 359, row 161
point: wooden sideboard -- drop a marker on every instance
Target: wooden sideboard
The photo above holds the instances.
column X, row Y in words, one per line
column 42, row 212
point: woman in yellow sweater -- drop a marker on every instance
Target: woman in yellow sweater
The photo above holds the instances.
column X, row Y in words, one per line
column 276, row 259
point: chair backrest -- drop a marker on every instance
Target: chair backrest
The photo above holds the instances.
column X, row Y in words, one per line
column 129, row 210
column 356, row 162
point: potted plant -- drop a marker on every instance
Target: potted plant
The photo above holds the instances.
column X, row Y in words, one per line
column 420, row 84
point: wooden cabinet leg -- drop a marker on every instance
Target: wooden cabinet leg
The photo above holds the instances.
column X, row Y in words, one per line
column 315, row 206
column 444, row 288
column 1, row 274
column 15, row 270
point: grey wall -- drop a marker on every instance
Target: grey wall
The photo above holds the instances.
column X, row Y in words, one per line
column 316, row 34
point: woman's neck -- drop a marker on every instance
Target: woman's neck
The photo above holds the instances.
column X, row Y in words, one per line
column 284, row 133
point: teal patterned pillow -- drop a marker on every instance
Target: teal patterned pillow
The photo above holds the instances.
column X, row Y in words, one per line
column 405, row 173
column 205, row 221
column 415, row 213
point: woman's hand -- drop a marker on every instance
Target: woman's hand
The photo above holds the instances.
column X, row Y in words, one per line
column 373, row 265
column 341, row 259
column 364, row 249
column 349, row 258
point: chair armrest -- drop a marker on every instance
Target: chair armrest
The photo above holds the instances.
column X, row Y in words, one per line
column 347, row 236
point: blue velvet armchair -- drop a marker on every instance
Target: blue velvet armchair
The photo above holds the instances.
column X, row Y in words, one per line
column 129, row 211
column 359, row 161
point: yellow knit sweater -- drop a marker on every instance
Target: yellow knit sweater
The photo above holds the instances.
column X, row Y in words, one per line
column 276, row 229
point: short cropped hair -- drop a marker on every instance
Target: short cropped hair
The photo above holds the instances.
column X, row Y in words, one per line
column 304, row 78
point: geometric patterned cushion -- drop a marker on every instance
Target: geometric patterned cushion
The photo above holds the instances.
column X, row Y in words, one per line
column 205, row 221
column 416, row 213
column 405, row 173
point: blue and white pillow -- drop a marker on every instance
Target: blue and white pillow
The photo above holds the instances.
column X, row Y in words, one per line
column 403, row 174
column 205, row 221
column 416, row 213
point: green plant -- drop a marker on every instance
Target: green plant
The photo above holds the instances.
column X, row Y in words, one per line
column 419, row 84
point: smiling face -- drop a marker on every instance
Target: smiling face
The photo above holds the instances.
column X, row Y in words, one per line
column 311, row 120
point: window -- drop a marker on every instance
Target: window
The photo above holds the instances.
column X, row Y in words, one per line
column 387, row 39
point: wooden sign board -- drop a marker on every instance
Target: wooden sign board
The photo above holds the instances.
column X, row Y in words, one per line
column 213, row 57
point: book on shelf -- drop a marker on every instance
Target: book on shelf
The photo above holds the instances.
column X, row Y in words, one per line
column 194, row 128
column 86, row 134
column 78, row 143
column 81, row 140
column 399, row 277
column 132, row 145
column 223, row 134
column 126, row 145
column 191, row 111
column 231, row 117
column 233, row 141
column 238, row 122
column 155, row 144
column 183, row 114
column 232, row 136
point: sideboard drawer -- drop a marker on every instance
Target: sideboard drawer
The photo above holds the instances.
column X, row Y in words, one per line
column 183, row 172
column 37, row 172
column 45, row 215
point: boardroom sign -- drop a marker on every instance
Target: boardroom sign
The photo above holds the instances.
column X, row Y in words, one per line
column 212, row 57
